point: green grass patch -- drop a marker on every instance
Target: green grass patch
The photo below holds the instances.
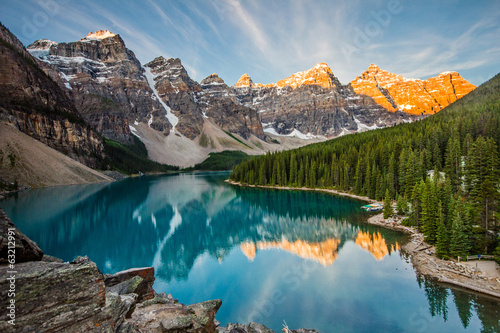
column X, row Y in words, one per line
column 235, row 138
column 225, row 160
column 130, row 159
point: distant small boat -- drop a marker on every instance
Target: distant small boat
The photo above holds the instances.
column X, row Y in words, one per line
column 373, row 207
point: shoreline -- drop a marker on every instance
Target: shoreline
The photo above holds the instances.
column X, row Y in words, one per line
column 340, row 193
column 422, row 254
column 449, row 271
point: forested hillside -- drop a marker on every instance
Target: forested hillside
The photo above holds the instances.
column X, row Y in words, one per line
column 458, row 210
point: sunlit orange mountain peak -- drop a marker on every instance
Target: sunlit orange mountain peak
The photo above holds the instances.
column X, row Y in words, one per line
column 320, row 75
column 245, row 81
column 98, row 35
column 395, row 92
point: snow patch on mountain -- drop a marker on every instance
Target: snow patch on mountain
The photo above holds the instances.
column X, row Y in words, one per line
column 172, row 118
column 362, row 127
column 98, row 35
column 294, row 134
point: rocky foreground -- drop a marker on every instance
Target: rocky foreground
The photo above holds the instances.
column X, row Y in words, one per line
column 42, row 293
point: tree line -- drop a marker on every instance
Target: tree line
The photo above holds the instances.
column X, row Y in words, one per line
column 444, row 171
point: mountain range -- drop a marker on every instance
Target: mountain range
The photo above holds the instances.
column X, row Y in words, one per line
column 104, row 92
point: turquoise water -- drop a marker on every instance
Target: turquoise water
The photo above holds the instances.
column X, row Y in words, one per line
column 272, row 256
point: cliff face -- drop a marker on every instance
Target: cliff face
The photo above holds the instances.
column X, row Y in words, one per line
column 218, row 103
column 39, row 107
column 106, row 82
column 313, row 103
column 413, row 96
column 178, row 91
column 193, row 103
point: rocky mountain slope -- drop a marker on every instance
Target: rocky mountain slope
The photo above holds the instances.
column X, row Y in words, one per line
column 36, row 105
column 413, row 96
column 178, row 119
column 106, row 82
column 21, row 157
column 314, row 103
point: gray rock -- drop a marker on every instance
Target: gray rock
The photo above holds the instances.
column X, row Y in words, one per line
column 176, row 317
column 160, row 298
column 25, row 249
column 47, row 258
column 129, row 286
column 144, row 289
column 54, row 296
column 249, row 328
column 81, row 260
column 256, row 328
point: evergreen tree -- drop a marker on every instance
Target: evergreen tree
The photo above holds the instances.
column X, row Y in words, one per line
column 278, row 174
column 429, row 215
column 453, row 161
column 388, row 211
column 300, row 181
column 401, row 205
column 442, row 238
column 459, row 243
column 293, row 170
column 482, row 177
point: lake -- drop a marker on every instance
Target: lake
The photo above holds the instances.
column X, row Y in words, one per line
column 272, row 256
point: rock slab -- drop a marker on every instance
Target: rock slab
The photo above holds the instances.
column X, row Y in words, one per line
column 25, row 248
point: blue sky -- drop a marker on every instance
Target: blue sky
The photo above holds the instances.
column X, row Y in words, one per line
column 271, row 40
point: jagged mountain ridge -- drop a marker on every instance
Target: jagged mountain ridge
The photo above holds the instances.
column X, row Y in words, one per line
column 105, row 80
column 314, row 103
column 176, row 116
column 157, row 102
column 365, row 100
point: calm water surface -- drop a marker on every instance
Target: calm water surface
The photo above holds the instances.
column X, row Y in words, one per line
column 271, row 256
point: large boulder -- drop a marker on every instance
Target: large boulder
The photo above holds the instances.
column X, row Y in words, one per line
column 172, row 317
column 53, row 297
column 25, row 249
column 136, row 280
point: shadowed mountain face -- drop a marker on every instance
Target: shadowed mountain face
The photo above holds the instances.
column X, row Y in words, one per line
column 106, row 82
column 37, row 106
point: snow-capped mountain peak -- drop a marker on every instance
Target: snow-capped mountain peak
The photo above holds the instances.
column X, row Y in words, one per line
column 99, row 35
